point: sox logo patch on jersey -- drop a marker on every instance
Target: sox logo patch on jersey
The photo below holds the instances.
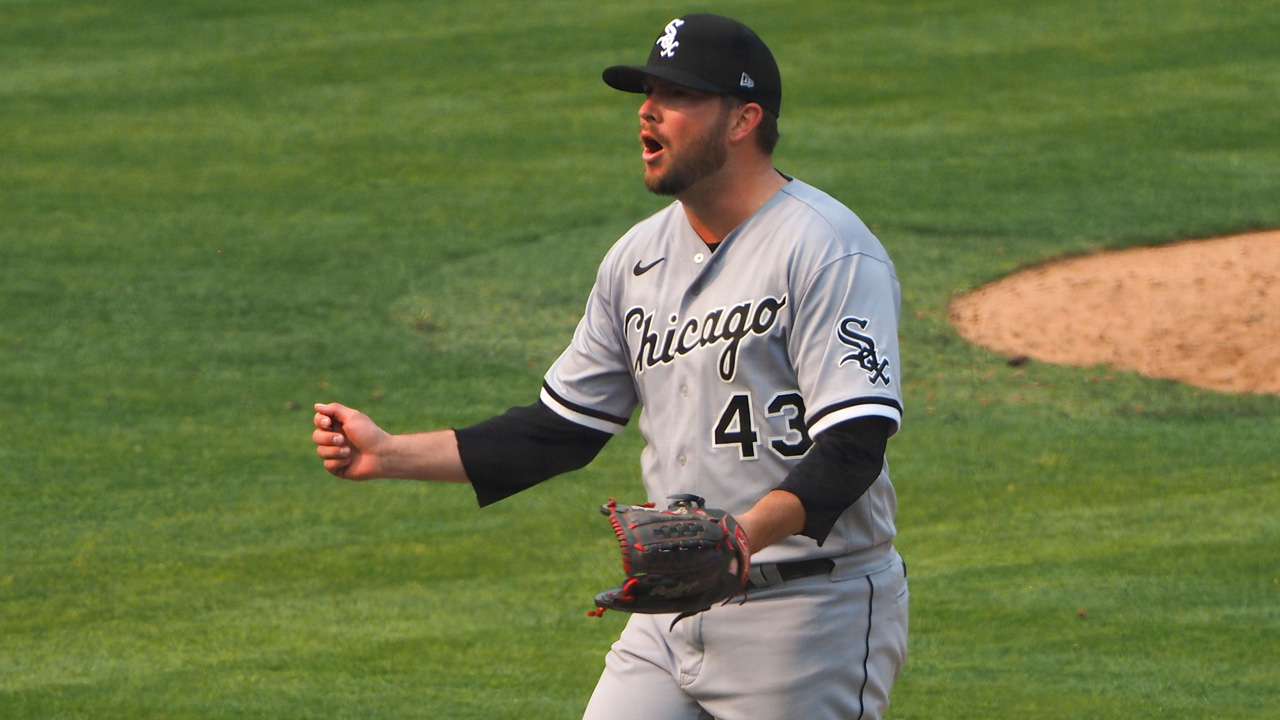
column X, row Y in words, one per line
column 864, row 350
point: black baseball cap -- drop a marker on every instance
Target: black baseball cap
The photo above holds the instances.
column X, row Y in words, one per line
column 710, row 53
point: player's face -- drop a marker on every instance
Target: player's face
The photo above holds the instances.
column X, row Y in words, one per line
column 684, row 136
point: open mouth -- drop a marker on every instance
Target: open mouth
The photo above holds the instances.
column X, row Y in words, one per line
column 652, row 148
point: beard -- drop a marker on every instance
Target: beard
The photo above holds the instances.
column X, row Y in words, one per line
column 705, row 155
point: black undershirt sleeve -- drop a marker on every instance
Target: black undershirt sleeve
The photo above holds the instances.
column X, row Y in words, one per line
column 522, row 447
column 843, row 462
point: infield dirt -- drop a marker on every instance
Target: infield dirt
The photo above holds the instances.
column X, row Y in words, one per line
column 1203, row 312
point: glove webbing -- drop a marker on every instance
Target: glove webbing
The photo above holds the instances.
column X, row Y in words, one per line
column 612, row 507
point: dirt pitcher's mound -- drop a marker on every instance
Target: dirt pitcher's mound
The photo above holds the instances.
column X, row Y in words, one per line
column 1205, row 312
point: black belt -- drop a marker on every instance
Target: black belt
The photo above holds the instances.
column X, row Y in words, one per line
column 788, row 571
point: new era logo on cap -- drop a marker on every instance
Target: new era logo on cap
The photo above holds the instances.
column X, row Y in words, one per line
column 710, row 53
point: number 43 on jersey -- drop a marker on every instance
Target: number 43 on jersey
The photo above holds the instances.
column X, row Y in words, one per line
column 784, row 426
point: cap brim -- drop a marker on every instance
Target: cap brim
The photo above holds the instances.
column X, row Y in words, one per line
column 630, row 78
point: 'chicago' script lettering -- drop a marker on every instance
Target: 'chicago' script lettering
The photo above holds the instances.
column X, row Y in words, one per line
column 721, row 325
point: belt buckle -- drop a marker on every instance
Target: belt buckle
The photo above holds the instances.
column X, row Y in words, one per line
column 771, row 574
column 763, row 576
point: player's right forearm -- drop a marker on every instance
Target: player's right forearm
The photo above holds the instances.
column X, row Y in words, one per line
column 522, row 447
column 424, row 456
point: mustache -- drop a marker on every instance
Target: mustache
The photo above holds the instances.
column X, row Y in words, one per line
column 648, row 134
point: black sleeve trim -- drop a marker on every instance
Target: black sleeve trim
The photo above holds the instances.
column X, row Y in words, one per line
column 844, row 461
column 589, row 412
column 522, row 447
column 887, row 402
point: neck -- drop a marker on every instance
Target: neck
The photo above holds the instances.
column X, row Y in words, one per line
column 719, row 203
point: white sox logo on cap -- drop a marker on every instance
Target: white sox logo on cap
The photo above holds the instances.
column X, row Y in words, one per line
column 715, row 54
column 668, row 40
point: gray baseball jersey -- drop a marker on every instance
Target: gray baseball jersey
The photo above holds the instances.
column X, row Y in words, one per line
column 739, row 357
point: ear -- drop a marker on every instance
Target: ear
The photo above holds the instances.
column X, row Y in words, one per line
column 744, row 120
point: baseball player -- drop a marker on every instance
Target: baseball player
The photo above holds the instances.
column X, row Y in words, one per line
column 754, row 322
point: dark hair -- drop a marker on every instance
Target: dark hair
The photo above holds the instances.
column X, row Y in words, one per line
column 766, row 131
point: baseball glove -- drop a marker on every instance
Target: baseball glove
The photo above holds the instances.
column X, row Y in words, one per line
column 677, row 560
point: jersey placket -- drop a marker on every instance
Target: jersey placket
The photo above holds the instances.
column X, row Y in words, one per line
column 686, row 375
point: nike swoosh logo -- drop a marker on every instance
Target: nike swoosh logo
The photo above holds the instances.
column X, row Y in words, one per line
column 639, row 269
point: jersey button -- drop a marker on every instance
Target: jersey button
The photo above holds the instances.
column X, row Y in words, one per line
column 684, row 391
column 682, row 460
column 699, row 258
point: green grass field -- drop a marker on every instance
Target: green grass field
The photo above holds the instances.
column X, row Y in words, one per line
column 215, row 214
